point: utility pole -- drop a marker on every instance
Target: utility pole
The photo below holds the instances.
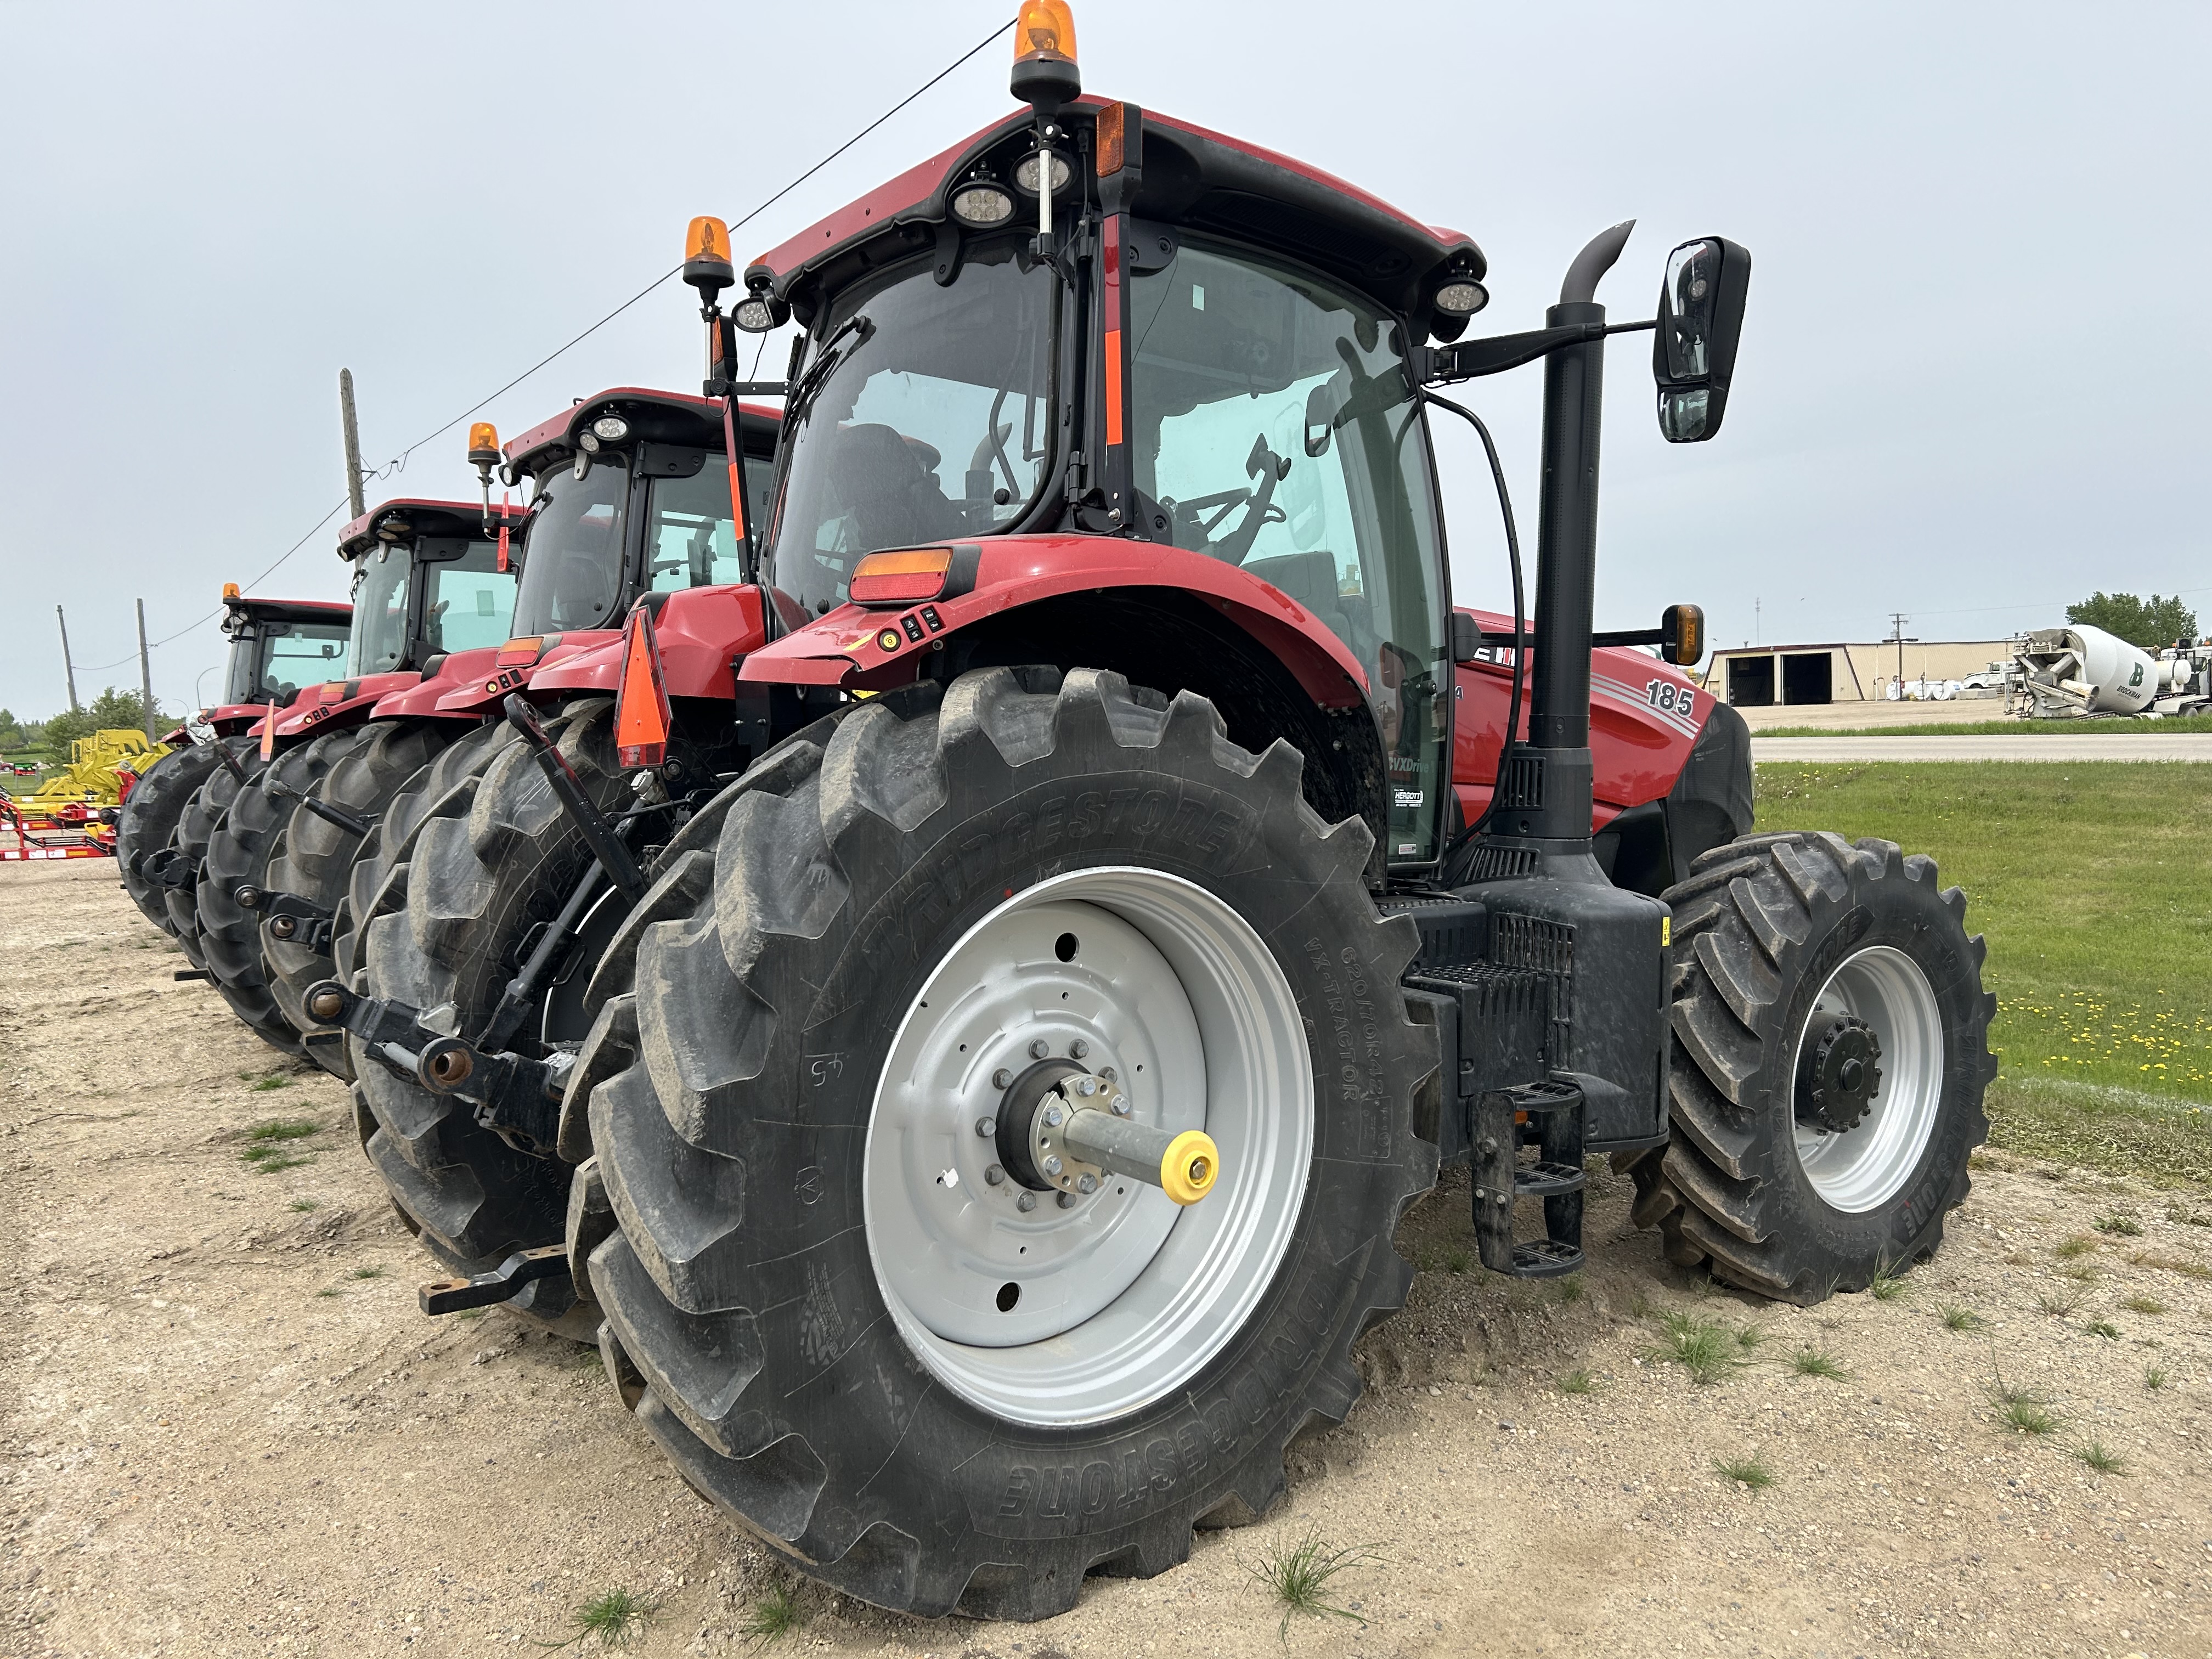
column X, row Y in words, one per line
column 68, row 667
column 352, row 446
column 146, row 677
column 1897, row 621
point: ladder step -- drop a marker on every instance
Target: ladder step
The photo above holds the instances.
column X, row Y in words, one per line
column 1547, row 1096
column 1544, row 1258
column 1546, row 1180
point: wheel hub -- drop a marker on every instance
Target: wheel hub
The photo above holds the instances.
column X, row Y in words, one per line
column 1837, row 1074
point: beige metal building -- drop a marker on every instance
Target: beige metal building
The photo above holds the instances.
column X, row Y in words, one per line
column 1758, row 676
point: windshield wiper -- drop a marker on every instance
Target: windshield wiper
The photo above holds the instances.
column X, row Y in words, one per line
column 833, row 354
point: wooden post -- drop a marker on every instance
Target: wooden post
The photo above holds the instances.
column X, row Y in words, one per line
column 352, row 446
column 68, row 667
column 146, row 680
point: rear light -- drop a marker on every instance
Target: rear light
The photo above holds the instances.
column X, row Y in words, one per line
column 904, row 577
column 641, row 714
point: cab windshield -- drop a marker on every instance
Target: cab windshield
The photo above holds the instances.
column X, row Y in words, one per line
column 380, row 610
column 468, row 601
column 571, row 574
column 271, row 660
column 1276, row 430
column 925, row 414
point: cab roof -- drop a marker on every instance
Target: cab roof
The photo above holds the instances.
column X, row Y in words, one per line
column 424, row 516
column 1191, row 177
column 247, row 609
column 670, row 417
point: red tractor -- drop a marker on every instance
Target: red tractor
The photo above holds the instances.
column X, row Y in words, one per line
column 433, row 590
column 276, row 645
column 998, row 1104
column 478, row 909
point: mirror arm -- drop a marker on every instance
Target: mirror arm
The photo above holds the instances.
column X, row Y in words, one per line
column 1472, row 359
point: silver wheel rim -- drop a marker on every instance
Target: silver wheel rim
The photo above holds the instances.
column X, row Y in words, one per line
column 1122, row 1299
column 1865, row 1167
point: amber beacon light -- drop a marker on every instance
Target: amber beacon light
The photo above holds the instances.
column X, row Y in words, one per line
column 1045, row 72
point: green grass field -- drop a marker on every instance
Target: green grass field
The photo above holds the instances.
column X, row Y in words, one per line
column 2093, row 884
column 2003, row 728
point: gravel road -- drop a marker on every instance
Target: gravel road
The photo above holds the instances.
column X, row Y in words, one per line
column 227, row 1429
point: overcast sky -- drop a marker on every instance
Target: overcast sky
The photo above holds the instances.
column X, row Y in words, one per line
column 1973, row 384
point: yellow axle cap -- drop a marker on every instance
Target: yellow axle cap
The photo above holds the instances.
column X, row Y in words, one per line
column 1189, row 1167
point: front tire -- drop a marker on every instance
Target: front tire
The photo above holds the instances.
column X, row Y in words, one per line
column 1781, row 940
column 149, row 818
column 810, row 1251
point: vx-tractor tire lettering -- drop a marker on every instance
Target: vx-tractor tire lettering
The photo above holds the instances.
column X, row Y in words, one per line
column 363, row 770
column 836, row 1293
column 491, row 859
column 238, row 856
column 149, row 820
column 1831, row 1055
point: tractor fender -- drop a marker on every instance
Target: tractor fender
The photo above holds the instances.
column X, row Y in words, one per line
column 1645, row 717
column 867, row 648
column 515, row 667
column 700, row 631
column 420, row 694
column 337, row 703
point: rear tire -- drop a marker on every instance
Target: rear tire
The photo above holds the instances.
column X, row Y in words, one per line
column 149, row 819
column 768, row 1102
column 196, row 828
column 1774, row 934
column 364, row 771
column 488, row 855
column 238, row 855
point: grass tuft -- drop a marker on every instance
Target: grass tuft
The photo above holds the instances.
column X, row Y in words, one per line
column 1957, row 1318
column 1815, row 1362
column 304, row 1205
column 283, row 1128
column 2080, row 1244
column 365, row 1272
column 1749, row 1338
column 774, row 1617
column 2155, row 1378
column 2057, row 1304
column 1577, row 1382
column 1572, row 1288
column 2120, row 1226
column 1885, row 1286
column 1751, row 1472
column 274, row 1080
column 2143, row 1304
column 614, row 1618
column 1699, row 1347
column 1297, row 1576
column 2021, row 1410
column 2094, row 1454
column 2187, row 1265
column 2103, row 1328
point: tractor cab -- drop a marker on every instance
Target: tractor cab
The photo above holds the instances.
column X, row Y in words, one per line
column 631, row 496
column 277, row 646
column 433, row 580
column 1192, row 355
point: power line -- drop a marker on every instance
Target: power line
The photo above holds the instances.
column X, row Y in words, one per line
column 399, row 462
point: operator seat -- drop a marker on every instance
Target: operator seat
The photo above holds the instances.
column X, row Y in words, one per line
column 892, row 499
column 1311, row 580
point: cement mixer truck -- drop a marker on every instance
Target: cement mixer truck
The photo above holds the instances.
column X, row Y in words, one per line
column 2079, row 671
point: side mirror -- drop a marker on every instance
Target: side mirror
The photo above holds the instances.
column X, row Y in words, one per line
column 1682, row 634
column 1701, row 318
column 1466, row 637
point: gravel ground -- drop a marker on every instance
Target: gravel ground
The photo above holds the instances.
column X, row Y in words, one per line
column 228, row 1431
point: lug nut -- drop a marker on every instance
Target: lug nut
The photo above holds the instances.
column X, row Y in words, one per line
column 1079, row 1048
column 1119, row 1105
column 1109, row 1073
column 1026, row 1202
column 1086, row 1183
column 1040, row 1048
column 1086, row 1086
column 1065, row 1201
column 1054, row 1116
column 1002, row 1078
column 987, row 1126
column 995, row 1176
column 1052, row 1164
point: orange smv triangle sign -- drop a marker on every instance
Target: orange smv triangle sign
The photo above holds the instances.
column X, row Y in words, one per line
column 641, row 713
